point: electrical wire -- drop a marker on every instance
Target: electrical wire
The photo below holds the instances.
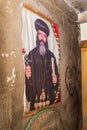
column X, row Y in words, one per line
column 39, row 113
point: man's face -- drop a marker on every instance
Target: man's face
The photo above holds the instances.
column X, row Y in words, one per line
column 42, row 37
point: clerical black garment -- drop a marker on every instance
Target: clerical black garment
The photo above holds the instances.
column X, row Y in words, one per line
column 41, row 68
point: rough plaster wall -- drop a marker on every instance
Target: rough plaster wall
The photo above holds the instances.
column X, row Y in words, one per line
column 11, row 67
column 11, row 79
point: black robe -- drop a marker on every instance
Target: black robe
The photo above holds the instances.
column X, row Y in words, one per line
column 41, row 68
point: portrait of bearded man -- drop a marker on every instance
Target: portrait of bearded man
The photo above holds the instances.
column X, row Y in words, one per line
column 41, row 74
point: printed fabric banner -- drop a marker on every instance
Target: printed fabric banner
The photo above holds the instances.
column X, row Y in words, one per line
column 41, row 58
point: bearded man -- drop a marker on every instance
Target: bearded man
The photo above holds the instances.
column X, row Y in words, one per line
column 41, row 75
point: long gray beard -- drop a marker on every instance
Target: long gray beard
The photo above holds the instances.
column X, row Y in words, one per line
column 42, row 50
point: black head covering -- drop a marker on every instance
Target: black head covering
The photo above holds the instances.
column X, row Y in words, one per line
column 41, row 25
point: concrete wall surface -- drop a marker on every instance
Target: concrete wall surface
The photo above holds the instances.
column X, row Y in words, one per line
column 67, row 114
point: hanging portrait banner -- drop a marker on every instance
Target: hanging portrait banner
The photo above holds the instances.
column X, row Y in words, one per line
column 41, row 58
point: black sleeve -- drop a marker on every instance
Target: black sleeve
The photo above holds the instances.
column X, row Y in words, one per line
column 28, row 81
column 27, row 85
column 56, row 72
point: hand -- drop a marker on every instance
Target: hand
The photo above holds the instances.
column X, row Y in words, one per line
column 28, row 71
column 54, row 78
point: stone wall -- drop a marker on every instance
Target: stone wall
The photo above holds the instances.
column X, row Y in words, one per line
column 12, row 75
